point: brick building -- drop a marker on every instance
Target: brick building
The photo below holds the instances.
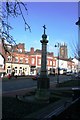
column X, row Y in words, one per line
column 24, row 62
column 35, row 61
column 17, row 60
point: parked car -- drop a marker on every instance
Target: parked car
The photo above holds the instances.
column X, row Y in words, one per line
column 35, row 77
column 69, row 73
column 77, row 75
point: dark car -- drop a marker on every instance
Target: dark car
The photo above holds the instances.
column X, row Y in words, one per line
column 35, row 77
column 77, row 75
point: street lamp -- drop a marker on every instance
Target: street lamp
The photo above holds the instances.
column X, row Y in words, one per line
column 57, row 45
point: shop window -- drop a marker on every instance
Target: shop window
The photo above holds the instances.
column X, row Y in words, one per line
column 9, row 70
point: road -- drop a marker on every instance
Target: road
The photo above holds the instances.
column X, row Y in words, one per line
column 27, row 83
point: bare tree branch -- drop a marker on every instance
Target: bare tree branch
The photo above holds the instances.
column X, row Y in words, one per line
column 11, row 9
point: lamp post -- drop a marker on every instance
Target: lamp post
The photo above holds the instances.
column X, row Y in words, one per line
column 57, row 45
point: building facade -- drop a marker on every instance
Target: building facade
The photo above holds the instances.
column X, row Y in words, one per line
column 18, row 61
column 2, row 58
column 35, row 61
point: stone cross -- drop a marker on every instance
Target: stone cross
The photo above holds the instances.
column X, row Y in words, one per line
column 44, row 28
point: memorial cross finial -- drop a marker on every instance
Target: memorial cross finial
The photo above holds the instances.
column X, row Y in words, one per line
column 44, row 28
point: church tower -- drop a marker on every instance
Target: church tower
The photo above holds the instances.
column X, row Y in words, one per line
column 63, row 51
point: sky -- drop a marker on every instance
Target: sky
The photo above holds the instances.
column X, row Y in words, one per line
column 59, row 18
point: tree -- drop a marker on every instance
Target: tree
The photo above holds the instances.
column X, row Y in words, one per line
column 74, row 47
column 11, row 9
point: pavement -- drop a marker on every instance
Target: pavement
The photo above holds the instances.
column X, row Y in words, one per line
column 51, row 110
column 67, row 88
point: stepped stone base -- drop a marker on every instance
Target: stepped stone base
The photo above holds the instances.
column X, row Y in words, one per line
column 43, row 83
column 42, row 93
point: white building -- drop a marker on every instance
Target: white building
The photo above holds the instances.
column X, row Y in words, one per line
column 2, row 70
column 77, row 66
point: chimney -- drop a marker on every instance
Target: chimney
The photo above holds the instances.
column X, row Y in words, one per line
column 32, row 50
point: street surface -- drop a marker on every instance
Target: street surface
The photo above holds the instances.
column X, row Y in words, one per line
column 27, row 83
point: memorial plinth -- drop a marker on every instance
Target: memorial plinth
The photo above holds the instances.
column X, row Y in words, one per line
column 42, row 93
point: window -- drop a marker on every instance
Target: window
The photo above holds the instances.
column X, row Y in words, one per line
column 26, row 60
column 1, row 66
column 47, row 62
column 50, row 62
column 69, row 66
column 54, row 63
column 39, row 61
column 62, row 51
column 15, row 70
column 33, row 60
column 21, row 60
column 20, row 71
column 9, row 70
column 9, row 58
column 25, row 69
column 1, row 61
column 16, row 59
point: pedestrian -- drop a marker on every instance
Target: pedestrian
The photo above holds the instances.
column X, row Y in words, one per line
column 9, row 76
column 15, row 76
